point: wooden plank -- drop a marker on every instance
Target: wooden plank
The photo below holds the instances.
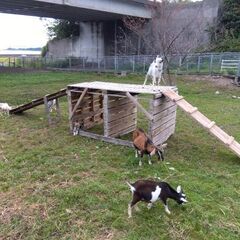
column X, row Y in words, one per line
column 105, row 114
column 119, row 87
column 159, row 101
column 168, row 132
column 121, row 108
column 127, row 112
column 163, row 120
column 141, row 108
column 163, row 126
column 114, row 102
column 124, row 131
column 78, row 102
column 131, row 117
column 106, row 139
column 164, row 136
column 164, row 113
column 162, row 107
column 122, row 127
column 205, row 122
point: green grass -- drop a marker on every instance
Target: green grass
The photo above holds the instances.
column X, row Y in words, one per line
column 56, row 186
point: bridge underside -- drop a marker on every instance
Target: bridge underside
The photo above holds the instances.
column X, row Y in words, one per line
column 78, row 10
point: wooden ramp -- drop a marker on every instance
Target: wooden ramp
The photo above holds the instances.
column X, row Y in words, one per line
column 37, row 102
column 204, row 121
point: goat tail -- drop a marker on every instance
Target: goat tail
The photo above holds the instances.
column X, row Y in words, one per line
column 132, row 189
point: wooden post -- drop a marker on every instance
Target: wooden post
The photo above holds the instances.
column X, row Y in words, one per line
column 47, row 109
column 105, row 114
column 58, row 109
column 78, row 102
column 141, row 108
column 69, row 96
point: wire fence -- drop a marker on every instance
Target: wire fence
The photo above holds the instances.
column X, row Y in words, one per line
column 207, row 63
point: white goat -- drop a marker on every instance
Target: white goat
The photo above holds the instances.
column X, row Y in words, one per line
column 52, row 105
column 155, row 71
column 5, row 108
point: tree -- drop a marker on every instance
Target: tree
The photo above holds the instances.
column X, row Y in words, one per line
column 60, row 29
column 225, row 34
column 165, row 34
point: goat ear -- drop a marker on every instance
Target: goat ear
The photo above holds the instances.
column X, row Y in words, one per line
column 179, row 189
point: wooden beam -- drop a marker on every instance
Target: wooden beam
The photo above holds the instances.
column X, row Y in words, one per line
column 78, row 102
column 141, row 108
column 106, row 139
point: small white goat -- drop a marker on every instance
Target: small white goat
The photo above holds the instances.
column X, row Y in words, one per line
column 155, row 71
column 51, row 105
column 5, row 108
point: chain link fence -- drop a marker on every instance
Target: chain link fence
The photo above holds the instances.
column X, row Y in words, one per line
column 207, row 63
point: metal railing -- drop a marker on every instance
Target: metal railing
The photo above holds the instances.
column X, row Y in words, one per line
column 198, row 63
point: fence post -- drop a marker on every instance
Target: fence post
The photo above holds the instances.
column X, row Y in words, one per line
column 187, row 64
column 133, row 63
column 144, row 64
column 198, row 64
column 238, row 71
column 70, row 62
column 211, row 64
column 115, row 63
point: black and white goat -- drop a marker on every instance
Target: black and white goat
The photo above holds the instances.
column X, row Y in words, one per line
column 144, row 145
column 150, row 191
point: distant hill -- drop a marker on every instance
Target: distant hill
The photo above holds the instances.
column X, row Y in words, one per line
column 25, row 49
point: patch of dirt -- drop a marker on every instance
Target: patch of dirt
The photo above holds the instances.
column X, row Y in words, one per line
column 220, row 81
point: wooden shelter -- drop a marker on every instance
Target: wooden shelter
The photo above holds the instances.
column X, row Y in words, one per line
column 115, row 106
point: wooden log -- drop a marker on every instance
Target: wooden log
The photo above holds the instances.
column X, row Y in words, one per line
column 141, row 108
column 78, row 102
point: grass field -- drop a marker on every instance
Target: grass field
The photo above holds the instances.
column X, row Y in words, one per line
column 56, row 186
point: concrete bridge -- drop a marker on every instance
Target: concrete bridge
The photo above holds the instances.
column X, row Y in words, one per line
column 98, row 20
column 80, row 10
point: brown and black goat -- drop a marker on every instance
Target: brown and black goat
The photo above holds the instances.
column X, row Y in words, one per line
column 144, row 145
column 150, row 191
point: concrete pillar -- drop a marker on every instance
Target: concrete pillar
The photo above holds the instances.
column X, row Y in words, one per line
column 91, row 40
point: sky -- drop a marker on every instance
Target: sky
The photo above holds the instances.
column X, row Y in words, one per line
column 18, row 31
